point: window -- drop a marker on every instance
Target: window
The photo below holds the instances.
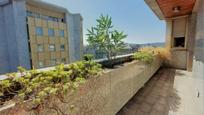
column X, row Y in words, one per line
column 61, row 32
column 62, row 47
column 53, row 62
column 29, row 13
column 55, row 19
column 63, row 60
column 50, row 18
column 37, row 15
column 51, row 32
column 40, row 48
column 40, row 64
column 39, row 31
column 179, row 42
column 52, row 47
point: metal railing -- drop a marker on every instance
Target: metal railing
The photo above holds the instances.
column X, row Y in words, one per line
column 104, row 62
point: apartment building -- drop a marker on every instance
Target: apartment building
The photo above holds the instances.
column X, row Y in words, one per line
column 36, row 34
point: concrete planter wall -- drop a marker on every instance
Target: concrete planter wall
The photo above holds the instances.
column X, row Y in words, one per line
column 104, row 95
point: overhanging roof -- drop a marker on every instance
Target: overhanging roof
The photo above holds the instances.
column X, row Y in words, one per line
column 164, row 8
column 155, row 8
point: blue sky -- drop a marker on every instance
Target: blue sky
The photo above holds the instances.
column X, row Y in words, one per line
column 133, row 17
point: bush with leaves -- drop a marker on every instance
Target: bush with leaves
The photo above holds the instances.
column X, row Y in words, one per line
column 88, row 57
column 146, row 57
column 163, row 53
column 103, row 37
column 42, row 86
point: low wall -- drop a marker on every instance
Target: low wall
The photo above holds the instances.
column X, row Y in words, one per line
column 179, row 59
column 104, row 95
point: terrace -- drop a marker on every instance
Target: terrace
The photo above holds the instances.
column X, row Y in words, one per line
column 166, row 93
column 162, row 87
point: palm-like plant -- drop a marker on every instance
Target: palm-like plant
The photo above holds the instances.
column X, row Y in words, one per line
column 104, row 38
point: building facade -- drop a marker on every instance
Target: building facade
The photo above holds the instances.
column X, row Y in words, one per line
column 181, row 19
column 35, row 34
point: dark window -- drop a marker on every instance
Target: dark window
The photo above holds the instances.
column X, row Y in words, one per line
column 63, row 60
column 37, row 15
column 53, row 62
column 29, row 13
column 179, row 42
column 62, row 47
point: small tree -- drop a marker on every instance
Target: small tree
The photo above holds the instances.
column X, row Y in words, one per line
column 104, row 38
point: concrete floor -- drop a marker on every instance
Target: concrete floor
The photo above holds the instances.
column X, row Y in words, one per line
column 168, row 92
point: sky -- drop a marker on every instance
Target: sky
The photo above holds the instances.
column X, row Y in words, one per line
column 133, row 17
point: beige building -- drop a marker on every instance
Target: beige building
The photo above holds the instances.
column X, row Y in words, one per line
column 48, row 36
column 37, row 34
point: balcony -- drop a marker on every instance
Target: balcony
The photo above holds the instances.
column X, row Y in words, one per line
column 132, row 87
column 168, row 92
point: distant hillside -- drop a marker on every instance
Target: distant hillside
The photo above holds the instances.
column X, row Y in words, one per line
column 130, row 48
column 157, row 44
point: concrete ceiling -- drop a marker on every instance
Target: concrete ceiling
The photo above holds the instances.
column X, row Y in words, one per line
column 167, row 6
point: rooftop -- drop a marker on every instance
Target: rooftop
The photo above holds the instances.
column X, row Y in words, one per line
column 168, row 92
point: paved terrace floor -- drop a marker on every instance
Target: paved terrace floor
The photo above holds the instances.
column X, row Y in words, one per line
column 168, row 92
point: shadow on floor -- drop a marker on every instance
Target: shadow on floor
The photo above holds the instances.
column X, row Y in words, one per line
column 157, row 97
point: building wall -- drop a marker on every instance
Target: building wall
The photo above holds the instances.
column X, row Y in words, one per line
column 13, row 46
column 46, row 56
column 75, row 36
column 198, row 64
column 4, row 62
column 179, row 54
column 15, row 41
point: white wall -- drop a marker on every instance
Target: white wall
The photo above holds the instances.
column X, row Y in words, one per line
column 198, row 64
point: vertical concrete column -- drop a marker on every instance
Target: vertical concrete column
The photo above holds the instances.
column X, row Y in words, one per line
column 191, row 40
column 169, row 27
column 19, row 9
column 75, row 40
column 15, row 34
column 4, row 62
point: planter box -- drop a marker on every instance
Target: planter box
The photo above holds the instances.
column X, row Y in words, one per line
column 104, row 95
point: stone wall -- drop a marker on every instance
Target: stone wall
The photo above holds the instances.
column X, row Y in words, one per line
column 104, row 95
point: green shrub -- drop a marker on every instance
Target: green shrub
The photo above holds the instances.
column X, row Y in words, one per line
column 88, row 57
column 41, row 86
column 146, row 57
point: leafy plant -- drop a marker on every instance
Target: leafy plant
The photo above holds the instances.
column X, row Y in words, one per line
column 43, row 86
column 88, row 57
column 164, row 53
column 144, row 57
column 104, row 38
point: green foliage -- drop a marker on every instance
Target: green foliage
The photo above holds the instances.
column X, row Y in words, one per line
column 146, row 57
column 83, row 69
column 40, row 86
column 104, row 38
column 88, row 57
